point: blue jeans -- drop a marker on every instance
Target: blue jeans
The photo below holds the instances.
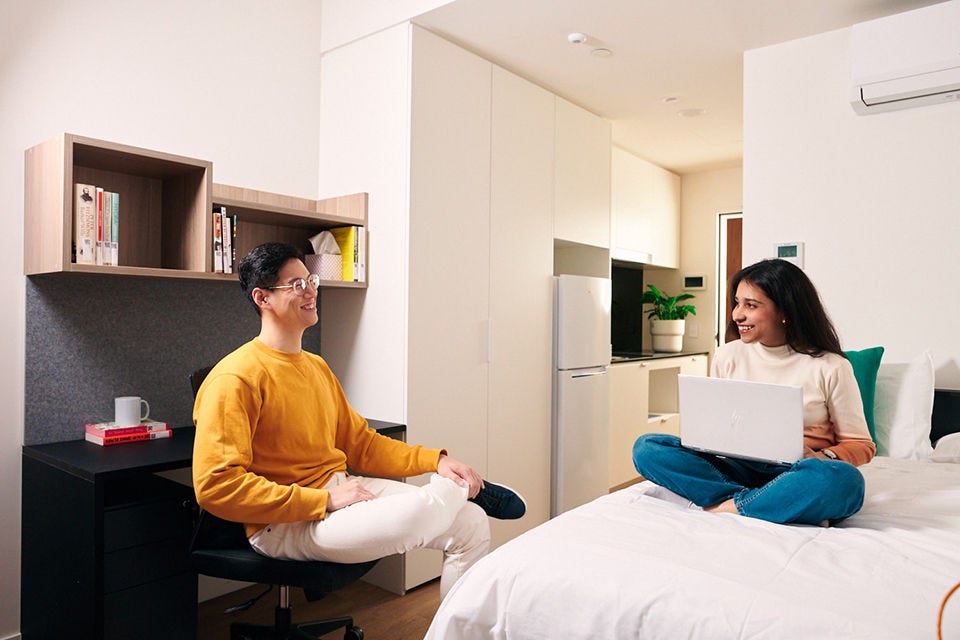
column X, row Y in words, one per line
column 807, row 492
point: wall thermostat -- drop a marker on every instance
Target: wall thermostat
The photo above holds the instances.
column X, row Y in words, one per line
column 694, row 283
column 791, row 252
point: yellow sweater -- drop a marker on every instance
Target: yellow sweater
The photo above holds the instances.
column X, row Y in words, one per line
column 272, row 428
column 832, row 409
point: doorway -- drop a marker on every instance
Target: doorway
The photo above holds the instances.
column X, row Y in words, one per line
column 730, row 252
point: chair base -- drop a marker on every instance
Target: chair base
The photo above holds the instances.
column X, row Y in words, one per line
column 302, row 631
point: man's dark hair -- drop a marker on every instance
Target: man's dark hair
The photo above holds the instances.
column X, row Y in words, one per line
column 809, row 329
column 260, row 267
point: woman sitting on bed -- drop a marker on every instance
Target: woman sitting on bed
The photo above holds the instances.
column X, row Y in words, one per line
column 785, row 338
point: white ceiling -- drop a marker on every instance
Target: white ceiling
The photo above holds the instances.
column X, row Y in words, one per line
column 691, row 50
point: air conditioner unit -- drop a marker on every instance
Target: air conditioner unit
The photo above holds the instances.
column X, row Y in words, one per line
column 906, row 60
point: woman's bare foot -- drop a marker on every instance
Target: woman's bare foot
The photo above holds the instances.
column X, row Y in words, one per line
column 727, row 506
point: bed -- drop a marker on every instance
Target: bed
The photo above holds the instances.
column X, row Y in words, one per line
column 641, row 563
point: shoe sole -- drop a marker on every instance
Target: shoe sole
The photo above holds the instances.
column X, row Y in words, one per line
column 515, row 492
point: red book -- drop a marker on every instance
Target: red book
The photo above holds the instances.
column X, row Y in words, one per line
column 106, row 441
column 100, row 251
column 110, row 429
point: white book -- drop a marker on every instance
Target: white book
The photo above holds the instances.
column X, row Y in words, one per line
column 227, row 231
column 362, row 250
column 115, row 230
column 85, row 224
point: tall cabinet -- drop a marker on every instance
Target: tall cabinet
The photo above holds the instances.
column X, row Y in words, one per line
column 455, row 340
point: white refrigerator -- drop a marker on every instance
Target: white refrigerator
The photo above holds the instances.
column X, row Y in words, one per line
column 581, row 391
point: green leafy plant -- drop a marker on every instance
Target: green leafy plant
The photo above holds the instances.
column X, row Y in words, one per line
column 667, row 307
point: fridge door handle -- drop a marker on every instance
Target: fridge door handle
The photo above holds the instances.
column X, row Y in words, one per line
column 587, row 375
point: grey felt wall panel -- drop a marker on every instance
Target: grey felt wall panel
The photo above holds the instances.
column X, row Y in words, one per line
column 90, row 338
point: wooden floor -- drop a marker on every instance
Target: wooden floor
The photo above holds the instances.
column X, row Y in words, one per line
column 380, row 613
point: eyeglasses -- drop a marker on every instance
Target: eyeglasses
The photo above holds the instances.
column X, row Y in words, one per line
column 299, row 285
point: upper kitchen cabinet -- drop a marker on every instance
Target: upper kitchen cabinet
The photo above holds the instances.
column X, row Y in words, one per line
column 581, row 191
column 645, row 204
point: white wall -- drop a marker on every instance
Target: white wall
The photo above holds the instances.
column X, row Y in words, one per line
column 873, row 197
column 704, row 196
column 232, row 81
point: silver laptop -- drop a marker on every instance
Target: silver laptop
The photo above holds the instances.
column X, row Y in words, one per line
column 740, row 419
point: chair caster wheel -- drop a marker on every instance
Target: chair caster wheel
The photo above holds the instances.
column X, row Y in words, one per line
column 353, row 633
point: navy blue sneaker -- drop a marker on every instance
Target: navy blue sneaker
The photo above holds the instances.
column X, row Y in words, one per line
column 500, row 502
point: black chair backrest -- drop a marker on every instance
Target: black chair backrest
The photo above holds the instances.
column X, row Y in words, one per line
column 197, row 378
column 216, row 533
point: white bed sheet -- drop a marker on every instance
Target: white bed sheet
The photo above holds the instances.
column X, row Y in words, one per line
column 639, row 563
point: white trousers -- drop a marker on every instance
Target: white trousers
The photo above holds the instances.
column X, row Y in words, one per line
column 401, row 517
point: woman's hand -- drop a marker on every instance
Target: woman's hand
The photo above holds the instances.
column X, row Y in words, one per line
column 463, row 474
column 344, row 495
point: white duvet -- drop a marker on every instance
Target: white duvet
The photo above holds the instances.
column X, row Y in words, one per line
column 639, row 563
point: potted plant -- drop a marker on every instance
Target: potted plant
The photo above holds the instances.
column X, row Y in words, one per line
column 667, row 318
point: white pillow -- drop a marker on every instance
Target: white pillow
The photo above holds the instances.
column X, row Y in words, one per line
column 903, row 407
column 947, row 449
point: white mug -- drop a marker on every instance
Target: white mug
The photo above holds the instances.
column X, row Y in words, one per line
column 130, row 411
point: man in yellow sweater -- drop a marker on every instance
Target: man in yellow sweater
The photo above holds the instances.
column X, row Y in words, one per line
column 276, row 435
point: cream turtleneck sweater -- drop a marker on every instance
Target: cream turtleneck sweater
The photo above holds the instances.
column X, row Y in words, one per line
column 832, row 409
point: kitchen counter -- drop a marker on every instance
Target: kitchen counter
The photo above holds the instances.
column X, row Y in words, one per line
column 652, row 355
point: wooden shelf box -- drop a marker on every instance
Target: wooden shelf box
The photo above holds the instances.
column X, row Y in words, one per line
column 164, row 205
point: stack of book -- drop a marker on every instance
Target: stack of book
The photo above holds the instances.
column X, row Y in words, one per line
column 96, row 225
column 224, row 236
column 353, row 249
column 108, row 433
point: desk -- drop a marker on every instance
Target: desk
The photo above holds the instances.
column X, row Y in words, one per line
column 104, row 551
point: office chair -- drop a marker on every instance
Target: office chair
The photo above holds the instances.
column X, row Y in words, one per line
column 220, row 549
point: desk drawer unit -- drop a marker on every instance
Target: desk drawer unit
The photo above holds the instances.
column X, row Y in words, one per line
column 107, row 560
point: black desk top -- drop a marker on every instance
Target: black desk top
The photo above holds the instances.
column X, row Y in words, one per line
column 90, row 461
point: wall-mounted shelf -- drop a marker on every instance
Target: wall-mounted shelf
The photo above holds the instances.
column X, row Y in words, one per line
column 270, row 217
column 166, row 201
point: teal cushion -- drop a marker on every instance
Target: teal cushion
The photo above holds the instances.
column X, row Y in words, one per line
column 865, row 363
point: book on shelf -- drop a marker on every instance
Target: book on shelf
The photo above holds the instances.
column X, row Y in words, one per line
column 233, row 240
column 107, row 440
column 226, row 238
column 111, row 429
column 107, row 257
column 115, row 229
column 362, row 253
column 353, row 250
column 85, row 224
column 96, row 225
column 99, row 250
column 217, row 242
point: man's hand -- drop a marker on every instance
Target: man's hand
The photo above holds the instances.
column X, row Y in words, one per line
column 345, row 494
column 462, row 474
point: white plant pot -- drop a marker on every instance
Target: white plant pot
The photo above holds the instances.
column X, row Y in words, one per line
column 667, row 335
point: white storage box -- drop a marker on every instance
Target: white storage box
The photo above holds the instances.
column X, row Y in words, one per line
column 328, row 265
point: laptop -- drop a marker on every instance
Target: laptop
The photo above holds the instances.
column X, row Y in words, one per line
column 741, row 419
